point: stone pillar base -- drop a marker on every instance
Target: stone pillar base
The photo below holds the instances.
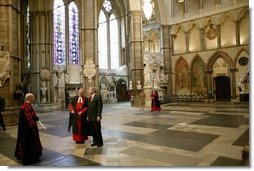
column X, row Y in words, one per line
column 148, row 91
column 11, row 116
column 61, row 104
column 244, row 97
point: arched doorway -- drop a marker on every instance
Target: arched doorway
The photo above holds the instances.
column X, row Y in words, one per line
column 121, row 91
column 222, row 87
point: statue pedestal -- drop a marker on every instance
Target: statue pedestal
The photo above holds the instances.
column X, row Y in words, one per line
column 244, row 97
column 60, row 97
column 148, row 91
column 160, row 92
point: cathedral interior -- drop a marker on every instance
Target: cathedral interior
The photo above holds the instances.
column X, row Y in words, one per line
column 195, row 53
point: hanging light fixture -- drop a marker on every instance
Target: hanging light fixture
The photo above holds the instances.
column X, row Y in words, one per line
column 148, row 9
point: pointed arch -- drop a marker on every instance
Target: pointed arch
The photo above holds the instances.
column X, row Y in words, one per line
column 217, row 55
column 198, row 76
column 114, row 41
column 182, row 80
column 103, row 41
column 240, row 54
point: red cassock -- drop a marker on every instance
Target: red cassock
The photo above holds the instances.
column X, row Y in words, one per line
column 79, row 120
column 155, row 104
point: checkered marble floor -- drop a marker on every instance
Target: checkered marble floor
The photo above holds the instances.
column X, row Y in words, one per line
column 180, row 135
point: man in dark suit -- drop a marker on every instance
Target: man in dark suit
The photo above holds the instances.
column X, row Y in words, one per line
column 95, row 106
column 2, row 107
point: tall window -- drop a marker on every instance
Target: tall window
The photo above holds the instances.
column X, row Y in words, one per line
column 28, row 40
column 73, row 34
column 114, row 42
column 59, row 33
column 108, row 38
column 103, row 41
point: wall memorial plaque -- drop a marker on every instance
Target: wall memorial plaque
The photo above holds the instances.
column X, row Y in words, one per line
column 4, row 66
column 89, row 69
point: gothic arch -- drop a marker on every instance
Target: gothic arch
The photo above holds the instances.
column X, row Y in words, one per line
column 190, row 25
column 176, row 28
column 223, row 18
column 238, row 55
column 207, row 21
column 242, row 13
column 182, row 79
column 217, row 55
column 118, row 5
column 198, row 76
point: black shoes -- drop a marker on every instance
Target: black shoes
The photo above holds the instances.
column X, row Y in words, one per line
column 94, row 144
column 80, row 142
column 99, row 145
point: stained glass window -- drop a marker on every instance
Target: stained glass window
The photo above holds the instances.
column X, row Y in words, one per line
column 59, row 33
column 102, row 41
column 107, row 5
column 114, row 42
column 28, row 40
column 73, row 34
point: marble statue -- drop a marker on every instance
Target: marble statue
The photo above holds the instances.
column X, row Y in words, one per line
column 44, row 92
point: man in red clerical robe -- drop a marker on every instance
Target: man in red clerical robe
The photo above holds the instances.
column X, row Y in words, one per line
column 28, row 147
column 77, row 119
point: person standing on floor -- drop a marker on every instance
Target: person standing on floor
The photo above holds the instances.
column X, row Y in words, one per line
column 2, row 107
column 77, row 119
column 95, row 106
column 142, row 97
column 155, row 104
column 28, row 147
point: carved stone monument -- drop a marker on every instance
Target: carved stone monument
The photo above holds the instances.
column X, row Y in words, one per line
column 89, row 69
column 45, row 76
column 4, row 66
column 154, row 76
column 243, row 85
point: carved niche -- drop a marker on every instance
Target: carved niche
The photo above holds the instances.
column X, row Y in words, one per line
column 4, row 66
column 89, row 69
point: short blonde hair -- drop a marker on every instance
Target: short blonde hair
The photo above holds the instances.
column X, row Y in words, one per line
column 28, row 95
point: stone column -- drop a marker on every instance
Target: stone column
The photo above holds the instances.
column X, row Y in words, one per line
column 186, row 8
column 202, row 39
column 218, row 36
column 210, row 92
column 41, row 54
column 233, row 83
column 201, row 6
column 173, row 5
column 166, row 50
column 89, row 39
column 10, row 38
column 187, row 40
column 136, row 53
column 237, row 33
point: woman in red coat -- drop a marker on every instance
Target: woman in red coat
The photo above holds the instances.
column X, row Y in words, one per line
column 155, row 105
